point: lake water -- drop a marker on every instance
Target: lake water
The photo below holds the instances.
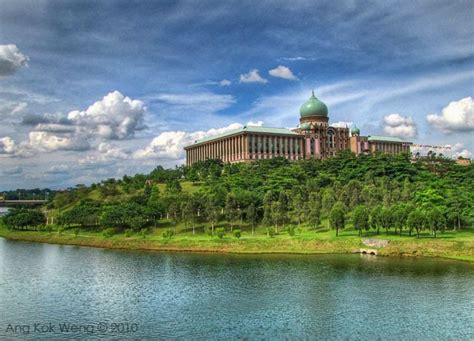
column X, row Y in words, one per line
column 210, row 296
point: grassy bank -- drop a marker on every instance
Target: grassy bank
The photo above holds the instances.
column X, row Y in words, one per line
column 455, row 245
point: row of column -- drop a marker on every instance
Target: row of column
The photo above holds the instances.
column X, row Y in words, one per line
column 389, row 148
column 247, row 147
column 228, row 150
column 269, row 146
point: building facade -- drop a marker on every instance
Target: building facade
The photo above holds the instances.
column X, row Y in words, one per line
column 313, row 138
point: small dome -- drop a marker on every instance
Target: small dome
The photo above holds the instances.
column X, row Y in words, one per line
column 355, row 130
column 313, row 107
column 305, row 126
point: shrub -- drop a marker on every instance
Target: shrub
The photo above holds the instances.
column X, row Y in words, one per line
column 237, row 234
column 271, row 232
column 220, row 232
column 128, row 233
column 76, row 232
column 107, row 233
column 291, row 230
column 167, row 234
column 60, row 229
column 144, row 232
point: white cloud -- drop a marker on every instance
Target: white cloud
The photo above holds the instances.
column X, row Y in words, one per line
column 252, row 77
column 105, row 153
column 114, row 117
column 342, row 124
column 47, row 142
column 11, row 59
column 7, row 145
column 457, row 116
column 254, row 124
column 58, row 169
column 225, row 82
column 169, row 145
column 398, row 125
column 200, row 102
column 282, row 72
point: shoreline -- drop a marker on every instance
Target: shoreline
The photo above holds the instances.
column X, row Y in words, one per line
column 245, row 246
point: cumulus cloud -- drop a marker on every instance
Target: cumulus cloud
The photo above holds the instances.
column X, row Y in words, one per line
column 11, row 59
column 398, row 125
column 7, row 145
column 457, row 116
column 225, row 82
column 114, row 117
column 282, row 72
column 252, row 77
column 47, row 142
column 105, row 153
column 169, row 145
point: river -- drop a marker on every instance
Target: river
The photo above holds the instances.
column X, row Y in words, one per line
column 213, row 296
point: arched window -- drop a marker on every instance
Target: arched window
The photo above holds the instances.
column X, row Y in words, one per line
column 330, row 139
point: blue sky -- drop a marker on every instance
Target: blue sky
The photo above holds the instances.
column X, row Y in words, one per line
column 90, row 90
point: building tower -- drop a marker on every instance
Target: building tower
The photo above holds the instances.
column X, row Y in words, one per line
column 314, row 126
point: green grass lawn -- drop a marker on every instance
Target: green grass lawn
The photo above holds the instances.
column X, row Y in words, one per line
column 450, row 244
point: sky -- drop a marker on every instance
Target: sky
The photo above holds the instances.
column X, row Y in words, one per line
column 96, row 89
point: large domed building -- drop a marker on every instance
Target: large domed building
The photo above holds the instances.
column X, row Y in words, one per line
column 313, row 138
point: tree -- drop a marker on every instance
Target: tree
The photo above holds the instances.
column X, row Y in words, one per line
column 337, row 217
column 435, row 220
column 267, row 208
column 252, row 216
column 189, row 214
column 298, row 206
column 313, row 210
column 22, row 218
column 212, row 211
column 328, row 200
column 386, row 218
column 173, row 186
column 360, row 218
column 279, row 210
column 231, row 208
column 415, row 221
column 376, row 219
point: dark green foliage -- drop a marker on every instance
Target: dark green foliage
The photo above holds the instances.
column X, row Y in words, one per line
column 278, row 192
column 107, row 233
column 271, row 232
column 337, row 217
column 24, row 219
column 220, row 232
column 237, row 234
column 360, row 218
column 167, row 234
column 124, row 215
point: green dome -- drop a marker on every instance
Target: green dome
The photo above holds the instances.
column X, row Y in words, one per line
column 313, row 107
column 355, row 130
column 305, row 126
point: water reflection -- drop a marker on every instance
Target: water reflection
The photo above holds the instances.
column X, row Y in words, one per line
column 238, row 296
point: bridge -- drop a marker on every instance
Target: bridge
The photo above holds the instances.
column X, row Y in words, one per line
column 22, row 202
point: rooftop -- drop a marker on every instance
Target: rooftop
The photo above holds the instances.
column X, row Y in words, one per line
column 249, row 129
column 386, row 138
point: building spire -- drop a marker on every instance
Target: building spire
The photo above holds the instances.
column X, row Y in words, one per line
column 312, row 92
